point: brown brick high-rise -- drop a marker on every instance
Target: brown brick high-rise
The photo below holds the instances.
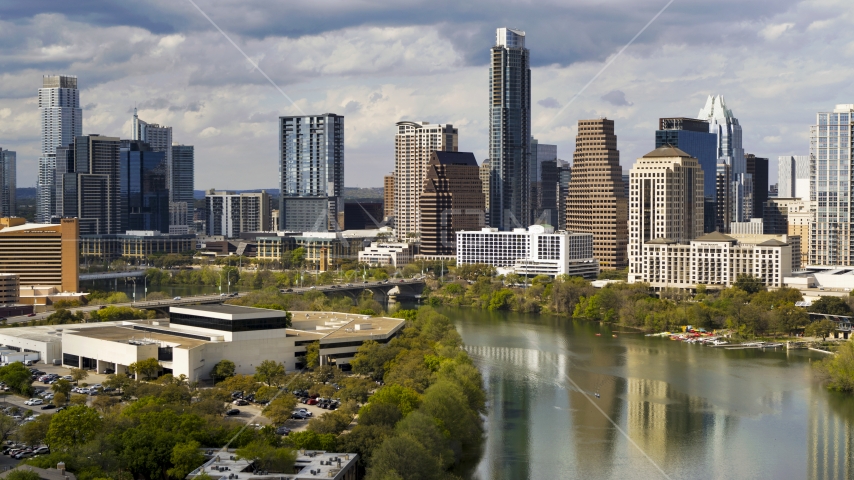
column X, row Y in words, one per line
column 597, row 201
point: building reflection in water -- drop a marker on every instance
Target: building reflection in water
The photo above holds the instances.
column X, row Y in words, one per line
column 829, row 440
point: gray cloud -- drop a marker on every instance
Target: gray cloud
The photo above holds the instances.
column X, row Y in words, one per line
column 617, row 97
column 549, row 102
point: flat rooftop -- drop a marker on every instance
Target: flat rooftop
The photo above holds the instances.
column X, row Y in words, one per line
column 335, row 325
column 128, row 334
column 314, row 464
column 228, row 312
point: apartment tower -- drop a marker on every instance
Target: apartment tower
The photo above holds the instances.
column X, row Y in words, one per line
column 8, row 182
column 793, row 176
column 388, row 196
column 182, row 183
column 452, row 201
column 97, row 163
column 596, row 201
column 831, row 149
column 414, row 144
column 61, row 122
column 311, row 172
column 509, row 130
column 665, row 201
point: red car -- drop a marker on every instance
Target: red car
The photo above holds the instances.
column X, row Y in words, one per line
column 311, row 401
column 31, row 315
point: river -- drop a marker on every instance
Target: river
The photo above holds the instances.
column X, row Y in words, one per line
column 666, row 409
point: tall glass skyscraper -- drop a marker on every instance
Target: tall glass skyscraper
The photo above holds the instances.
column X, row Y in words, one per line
column 8, row 182
column 181, row 185
column 61, row 122
column 729, row 151
column 509, row 130
column 311, row 169
column 831, row 150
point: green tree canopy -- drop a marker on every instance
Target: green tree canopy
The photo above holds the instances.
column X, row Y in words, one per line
column 148, row 368
column 22, row 473
column 749, row 283
column 268, row 457
column 270, row 372
column 73, row 426
column 222, row 370
column 830, row 306
column 18, row 378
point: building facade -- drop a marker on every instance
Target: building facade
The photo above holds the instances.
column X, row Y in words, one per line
column 133, row 244
column 452, row 200
column 714, row 260
column 509, row 130
column 831, row 148
column 362, row 215
column 596, row 201
column 539, row 250
column 542, row 188
column 666, row 201
column 388, row 196
column 311, row 169
column 757, row 168
column 793, row 176
column 756, row 226
column 143, row 188
column 8, row 183
column 61, row 122
column 414, row 143
column 97, row 164
column 41, row 255
column 182, row 174
column 383, row 253
column 229, row 214
column 730, row 151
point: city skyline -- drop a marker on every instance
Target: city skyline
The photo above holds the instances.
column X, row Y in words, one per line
column 378, row 68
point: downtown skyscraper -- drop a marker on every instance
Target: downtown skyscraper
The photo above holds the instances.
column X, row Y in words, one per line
column 730, row 152
column 509, row 130
column 61, row 121
column 311, row 170
column 831, row 150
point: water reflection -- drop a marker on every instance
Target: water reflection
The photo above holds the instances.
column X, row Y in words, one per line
column 696, row 412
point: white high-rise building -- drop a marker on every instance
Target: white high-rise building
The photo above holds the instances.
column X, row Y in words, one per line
column 793, row 177
column 831, row 150
column 61, row 121
column 414, row 143
column 665, row 202
column 730, row 151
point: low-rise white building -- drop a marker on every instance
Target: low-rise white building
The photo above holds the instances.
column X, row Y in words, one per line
column 195, row 338
column 714, row 260
column 383, row 253
column 539, row 250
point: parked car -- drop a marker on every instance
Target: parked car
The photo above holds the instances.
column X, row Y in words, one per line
column 49, row 406
column 240, row 402
column 177, row 298
column 299, row 416
column 283, row 430
column 60, row 409
column 232, row 412
column 305, row 411
column 43, row 450
column 31, row 315
column 34, row 401
column 68, row 377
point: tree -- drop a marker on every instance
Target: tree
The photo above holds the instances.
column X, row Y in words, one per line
column 267, row 457
column 382, row 414
column 312, row 355
column 821, row 328
column 406, row 399
column 148, row 368
column 78, row 374
column 309, row 440
column 62, row 386
column 404, row 456
column 60, row 399
column 280, row 409
column 830, row 306
column 787, row 317
column 749, row 283
column 839, row 369
column 222, row 370
column 18, row 378
column 74, row 426
column 298, row 257
column 103, row 403
column 270, row 372
column 22, row 473
column 35, row 431
column 186, row 457
column 333, row 422
column 240, row 383
column 79, row 399
column 118, row 381
column 7, row 427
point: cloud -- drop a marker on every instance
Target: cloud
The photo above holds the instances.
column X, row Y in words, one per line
column 549, row 102
column 90, row 106
column 773, row 32
column 617, row 97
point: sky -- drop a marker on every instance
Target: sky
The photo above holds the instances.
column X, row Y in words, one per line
column 776, row 62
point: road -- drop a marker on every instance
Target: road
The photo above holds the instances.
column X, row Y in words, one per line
column 218, row 298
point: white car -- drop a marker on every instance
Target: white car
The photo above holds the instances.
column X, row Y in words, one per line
column 49, row 396
column 177, row 298
column 34, row 401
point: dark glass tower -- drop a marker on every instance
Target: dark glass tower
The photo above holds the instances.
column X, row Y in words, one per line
column 509, row 130
column 144, row 192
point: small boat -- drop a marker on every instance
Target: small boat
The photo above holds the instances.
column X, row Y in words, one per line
column 772, row 345
column 597, row 395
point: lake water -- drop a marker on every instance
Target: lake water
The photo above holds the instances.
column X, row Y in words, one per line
column 666, row 409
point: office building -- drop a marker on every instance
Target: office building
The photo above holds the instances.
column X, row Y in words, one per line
column 539, row 250
column 485, row 175
column 542, row 188
column 755, row 226
column 793, row 176
column 666, row 201
column 693, row 137
column 229, row 214
column 388, row 197
column 43, row 256
column 831, row 148
column 714, row 260
column 139, row 245
column 61, row 122
column 564, row 175
column 452, row 200
column 311, row 169
column 181, row 201
column 792, row 217
column 386, row 253
column 596, row 201
column 509, row 130
column 197, row 337
column 97, row 165
column 726, row 127
column 414, row 143
column 8, row 183
column 723, row 196
column 143, row 188
column 772, row 191
column 159, row 139
column 757, row 168
column 362, row 215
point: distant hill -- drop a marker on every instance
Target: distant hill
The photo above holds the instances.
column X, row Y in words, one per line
column 25, row 192
column 349, row 192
